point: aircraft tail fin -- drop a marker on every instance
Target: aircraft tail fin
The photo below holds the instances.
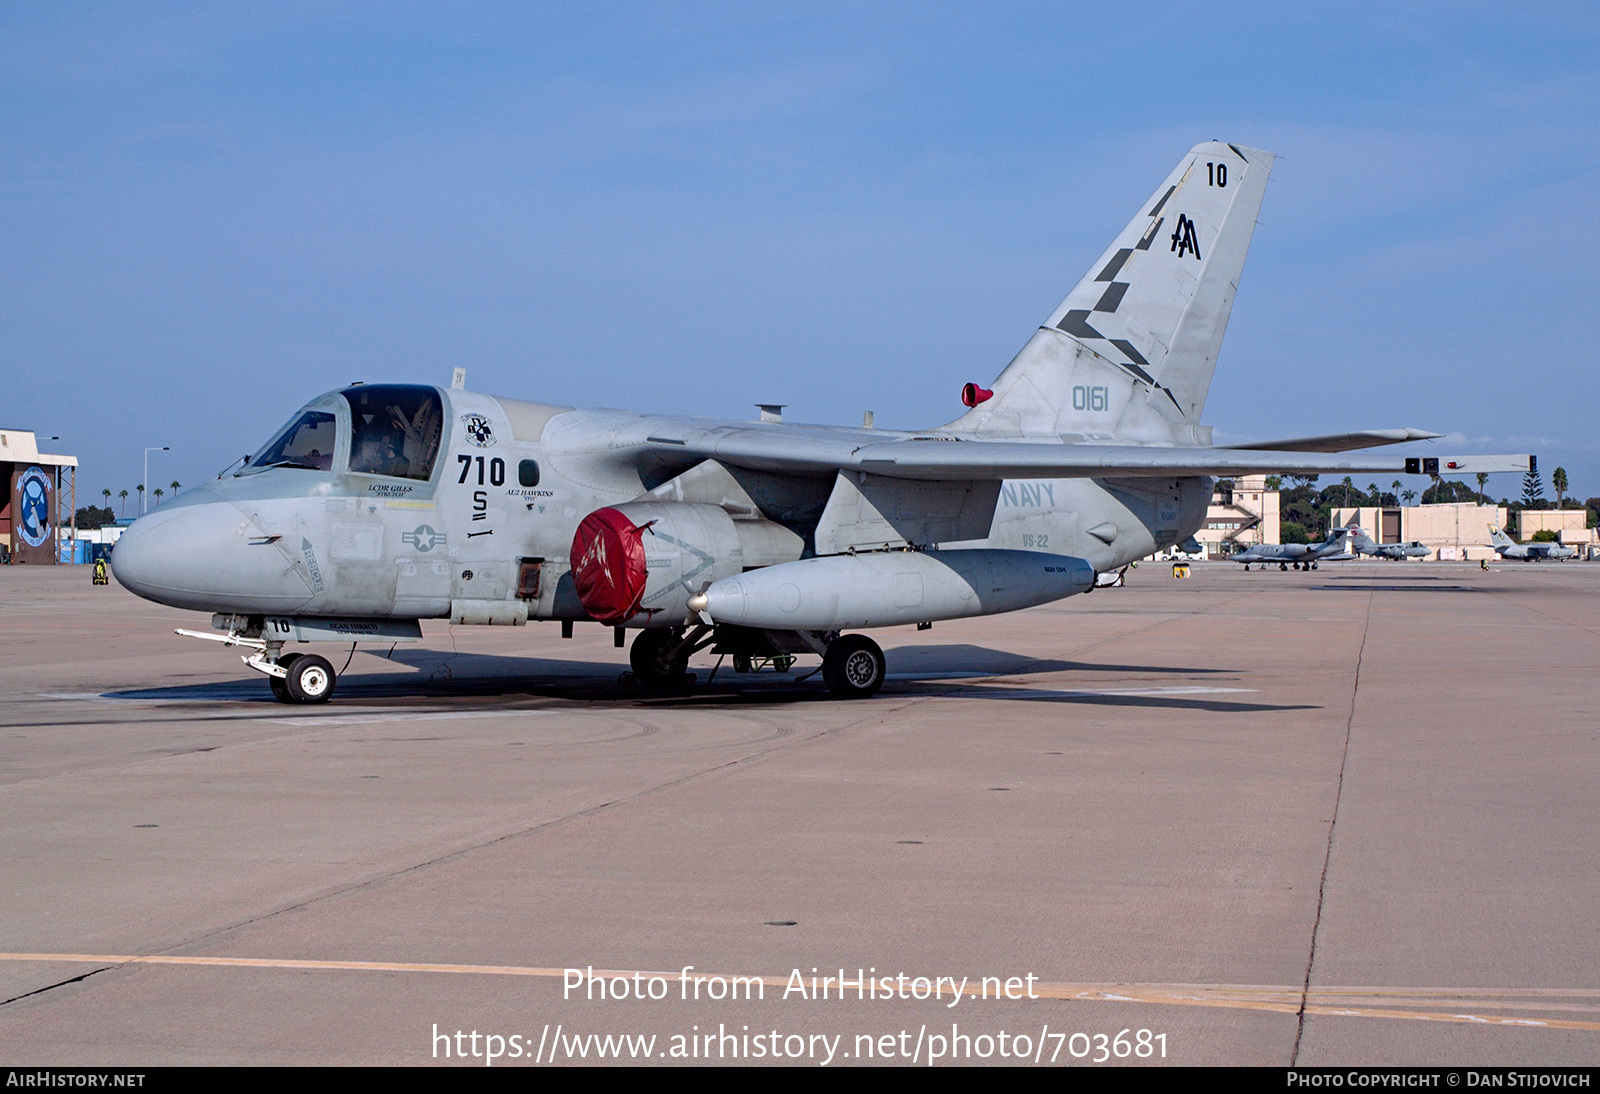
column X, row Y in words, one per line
column 1498, row 538
column 1358, row 535
column 1130, row 352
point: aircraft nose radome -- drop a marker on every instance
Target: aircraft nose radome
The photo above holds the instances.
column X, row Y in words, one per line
column 200, row 557
column 141, row 559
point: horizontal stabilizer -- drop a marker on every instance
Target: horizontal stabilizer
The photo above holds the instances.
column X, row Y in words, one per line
column 1343, row 442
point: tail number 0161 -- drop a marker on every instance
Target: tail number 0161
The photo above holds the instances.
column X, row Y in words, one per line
column 1090, row 398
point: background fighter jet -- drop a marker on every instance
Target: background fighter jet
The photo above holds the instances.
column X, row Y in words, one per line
column 380, row 505
column 1300, row 555
column 1506, row 547
column 1362, row 544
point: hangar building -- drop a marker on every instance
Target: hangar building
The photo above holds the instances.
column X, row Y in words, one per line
column 38, row 499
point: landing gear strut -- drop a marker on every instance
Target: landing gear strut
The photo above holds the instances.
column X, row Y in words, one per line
column 293, row 677
column 660, row 657
column 853, row 667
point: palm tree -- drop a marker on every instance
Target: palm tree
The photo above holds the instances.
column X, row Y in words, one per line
column 123, row 494
column 140, row 488
column 1396, row 484
column 176, row 486
column 107, row 493
column 1409, row 496
column 1347, row 484
column 1558, row 479
column 157, row 493
column 1483, row 480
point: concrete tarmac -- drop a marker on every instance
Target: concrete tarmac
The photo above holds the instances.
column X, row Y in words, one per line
column 1341, row 817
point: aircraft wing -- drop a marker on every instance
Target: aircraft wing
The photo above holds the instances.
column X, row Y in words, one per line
column 1342, row 442
column 967, row 460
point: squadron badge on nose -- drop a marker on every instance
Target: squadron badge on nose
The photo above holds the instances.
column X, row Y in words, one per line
column 479, row 432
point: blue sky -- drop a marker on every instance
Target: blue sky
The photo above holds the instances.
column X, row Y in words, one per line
column 211, row 213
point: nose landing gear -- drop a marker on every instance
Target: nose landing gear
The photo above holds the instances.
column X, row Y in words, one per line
column 293, row 677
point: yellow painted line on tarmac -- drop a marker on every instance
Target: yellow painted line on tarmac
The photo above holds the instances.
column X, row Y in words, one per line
column 1268, row 998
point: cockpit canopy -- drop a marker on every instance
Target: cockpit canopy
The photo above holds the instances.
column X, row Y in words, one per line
column 307, row 442
column 393, row 429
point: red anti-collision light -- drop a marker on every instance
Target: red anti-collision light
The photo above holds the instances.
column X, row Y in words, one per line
column 972, row 395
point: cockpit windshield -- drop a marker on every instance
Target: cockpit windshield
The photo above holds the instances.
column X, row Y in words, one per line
column 394, row 429
column 306, row 442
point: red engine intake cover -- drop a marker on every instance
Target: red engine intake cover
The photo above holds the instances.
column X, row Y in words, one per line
column 608, row 566
column 972, row 395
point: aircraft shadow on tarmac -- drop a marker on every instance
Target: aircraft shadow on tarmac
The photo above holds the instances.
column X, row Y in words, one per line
column 947, row 670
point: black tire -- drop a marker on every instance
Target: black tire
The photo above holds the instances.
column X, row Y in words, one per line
column 310, row 679
column 853, row 667
column 1313, row 565
column 280, row 686
column 649, row 659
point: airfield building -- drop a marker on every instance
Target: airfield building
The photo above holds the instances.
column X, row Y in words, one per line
column 38, row 497
column 1239, row 517
column 1571, row 527
column 1452, row 531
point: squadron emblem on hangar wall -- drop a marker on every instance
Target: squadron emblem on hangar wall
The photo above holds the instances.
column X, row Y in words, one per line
column 479, row 431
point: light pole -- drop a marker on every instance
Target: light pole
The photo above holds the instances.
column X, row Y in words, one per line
column 143, row 494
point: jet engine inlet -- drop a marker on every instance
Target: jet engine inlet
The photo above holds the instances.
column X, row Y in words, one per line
column 608, row 566
column 639, row 562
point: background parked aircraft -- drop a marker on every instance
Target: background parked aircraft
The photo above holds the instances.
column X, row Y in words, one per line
column 1506, row 547
column 1302, row 556
column 1362, row 544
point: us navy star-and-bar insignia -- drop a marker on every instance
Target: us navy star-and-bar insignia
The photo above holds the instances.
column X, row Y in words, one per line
column 424, row 538
column 479, row 431
column 1183, row 239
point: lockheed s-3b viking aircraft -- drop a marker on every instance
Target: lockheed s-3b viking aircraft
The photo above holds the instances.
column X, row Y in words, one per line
column 383, row 504
column 1506, row 547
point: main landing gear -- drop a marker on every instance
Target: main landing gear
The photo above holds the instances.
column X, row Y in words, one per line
column 660, row 658
column 852, row 664
column 853, row 667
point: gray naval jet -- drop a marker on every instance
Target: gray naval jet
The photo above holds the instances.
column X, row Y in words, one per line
column 1302, row 556
column 383, row 504
column 1362, row 544
column 1506, row 547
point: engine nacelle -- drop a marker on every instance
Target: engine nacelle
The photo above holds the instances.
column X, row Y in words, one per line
column 638, row 563
column 891, row 588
